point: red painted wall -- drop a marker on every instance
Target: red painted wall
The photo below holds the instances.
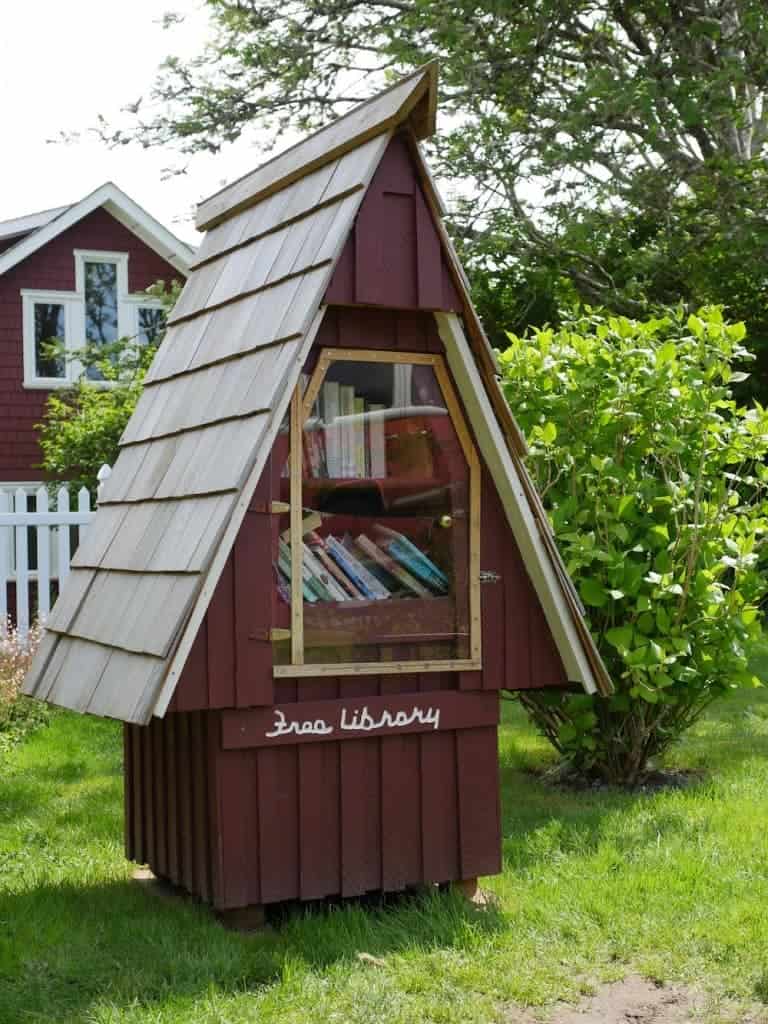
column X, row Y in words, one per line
column 53, row 268
column 393, row 256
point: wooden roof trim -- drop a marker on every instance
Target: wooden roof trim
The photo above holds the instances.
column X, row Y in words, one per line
column 528, row 520
column 289, row 222
column 194, row 429
column 288, row 167
column 247, row 295
column 481, row 345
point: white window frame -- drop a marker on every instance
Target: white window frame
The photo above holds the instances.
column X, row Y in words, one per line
column 128, row 306
column 70, row 301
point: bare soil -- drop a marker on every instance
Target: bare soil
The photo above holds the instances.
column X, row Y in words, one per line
column 634, row 1000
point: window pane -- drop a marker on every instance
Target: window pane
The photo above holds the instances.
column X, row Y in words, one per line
column 151, row 325
column 101, row 303
column 49, row 327
column 386, row 500
column 100, row 307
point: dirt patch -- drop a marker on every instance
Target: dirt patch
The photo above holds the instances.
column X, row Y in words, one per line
column 651, row 782
column 634, row 1000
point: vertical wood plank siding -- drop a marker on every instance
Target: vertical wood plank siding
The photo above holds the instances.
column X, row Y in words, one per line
column 394, row 219
column 243, row 827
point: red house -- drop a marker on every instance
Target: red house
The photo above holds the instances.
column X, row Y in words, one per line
column 77, row 273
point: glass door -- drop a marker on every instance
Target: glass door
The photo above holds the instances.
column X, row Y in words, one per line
column 380, row 562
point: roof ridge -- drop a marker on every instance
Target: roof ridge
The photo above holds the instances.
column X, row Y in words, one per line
column 239, row 194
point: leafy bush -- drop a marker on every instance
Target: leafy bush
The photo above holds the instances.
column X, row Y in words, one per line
column 655, row 483
column 18, row 714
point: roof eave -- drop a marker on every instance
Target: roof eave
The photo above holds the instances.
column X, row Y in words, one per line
column 124, row 210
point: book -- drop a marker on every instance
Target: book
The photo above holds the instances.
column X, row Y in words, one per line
column 314, row 454
column 412, row 558
column 330, row 411
column 365, row 581
column 317, row 546
column 347, row 430
column 358, row 435
column 311, row 583
column 318, row 570
column 391, row 567
column 284, row 565
column 377, row 451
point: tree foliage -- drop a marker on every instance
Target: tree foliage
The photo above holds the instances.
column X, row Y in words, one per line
column 611, row 149
column 656, row 485
column 83, row 423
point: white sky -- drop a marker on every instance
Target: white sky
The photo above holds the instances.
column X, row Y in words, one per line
column 63, row 62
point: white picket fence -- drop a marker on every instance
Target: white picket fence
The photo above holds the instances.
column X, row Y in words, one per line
column 35, row 550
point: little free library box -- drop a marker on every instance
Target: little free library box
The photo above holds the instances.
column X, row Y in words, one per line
column 319, row 557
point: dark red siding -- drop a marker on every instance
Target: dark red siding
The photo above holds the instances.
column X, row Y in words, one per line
column 262, row 825
column 52, row 268
column 393, row 256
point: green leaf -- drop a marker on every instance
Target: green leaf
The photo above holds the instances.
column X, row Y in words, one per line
column 626, row 505
column 666, row 353
column 549, row 433
column 620, row 637
column 567, row 734
column 695, row 326
column 593, row 593
column 659, row 534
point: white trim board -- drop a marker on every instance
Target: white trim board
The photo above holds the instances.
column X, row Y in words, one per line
column 495, row 452
column 124, row 210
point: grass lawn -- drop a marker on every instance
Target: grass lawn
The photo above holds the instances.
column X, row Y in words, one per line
column 673, row 885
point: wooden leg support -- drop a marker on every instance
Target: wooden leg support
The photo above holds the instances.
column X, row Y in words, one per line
column 471, row 891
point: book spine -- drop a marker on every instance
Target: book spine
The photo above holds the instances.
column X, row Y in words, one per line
column 373, row 582
column 330, row 393
column 359, row 575
column 318, row 570
column 377, row 452
column 415, row 554
column 389, row 565
column 358, row 430
column 420, row 568
column 317, row 546
column 346, row 429
column 284, row 565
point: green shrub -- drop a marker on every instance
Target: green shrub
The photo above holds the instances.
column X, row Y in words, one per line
column 655, row 483
column 18, row 714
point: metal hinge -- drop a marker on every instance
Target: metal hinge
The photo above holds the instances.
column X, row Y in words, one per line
column 488, row 576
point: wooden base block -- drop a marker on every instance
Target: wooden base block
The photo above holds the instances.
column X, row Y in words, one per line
column 470, row 889
column 159, row 886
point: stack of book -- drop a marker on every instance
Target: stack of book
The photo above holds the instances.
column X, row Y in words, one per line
column 344, row 437
column 361, row 569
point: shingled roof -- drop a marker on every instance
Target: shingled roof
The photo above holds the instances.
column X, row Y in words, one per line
column 217, row 391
